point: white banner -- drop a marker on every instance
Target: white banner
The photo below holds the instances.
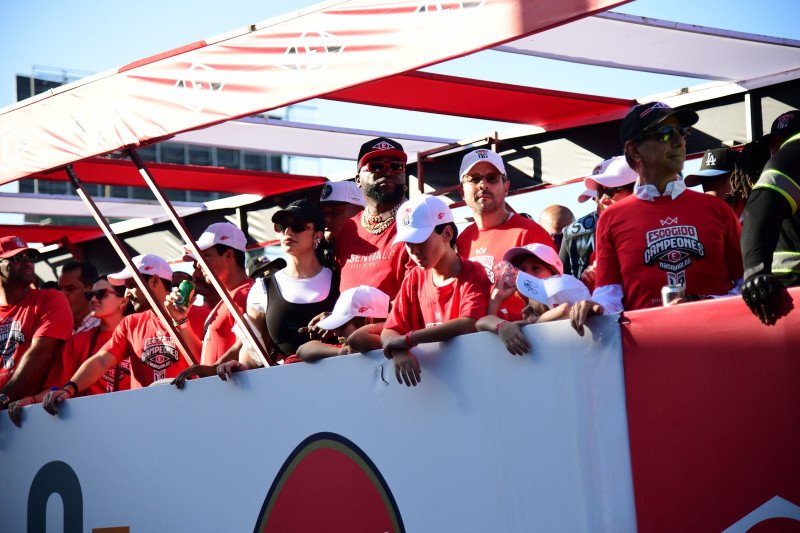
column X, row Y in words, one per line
column 487, row 442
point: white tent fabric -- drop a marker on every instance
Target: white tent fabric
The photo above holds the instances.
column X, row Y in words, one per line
column 645, row 44
column 65, row 205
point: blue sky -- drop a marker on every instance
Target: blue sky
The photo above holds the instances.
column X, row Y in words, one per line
column 94, row 35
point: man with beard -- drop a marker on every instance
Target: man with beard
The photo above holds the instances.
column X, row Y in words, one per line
column 34, row 323
column 484, row 188
column 140, row 336
column 364, row 249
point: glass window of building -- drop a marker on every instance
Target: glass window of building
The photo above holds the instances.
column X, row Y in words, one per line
column 227, row 158
column 199, row 155
column 173, row 153
column 254, row 161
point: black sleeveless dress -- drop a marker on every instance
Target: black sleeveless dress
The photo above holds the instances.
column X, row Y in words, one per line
column 285, row 318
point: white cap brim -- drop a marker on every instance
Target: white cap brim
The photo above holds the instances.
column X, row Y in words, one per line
column 412, row 235
column 332, row 322
column 119, row 278
column 591, row 182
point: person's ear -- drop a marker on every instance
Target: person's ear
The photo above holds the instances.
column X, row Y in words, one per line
column 632, row 149
column 358, row 180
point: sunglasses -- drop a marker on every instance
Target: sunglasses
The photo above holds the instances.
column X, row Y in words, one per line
column 296, row 227
column 380, row 166
column 100, row 294
column 492, row 179
column 22, row 257
column 666, row 133
column 611, row 192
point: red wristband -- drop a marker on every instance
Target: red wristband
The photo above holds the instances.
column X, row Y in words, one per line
column 408, row 340
column 498, row 326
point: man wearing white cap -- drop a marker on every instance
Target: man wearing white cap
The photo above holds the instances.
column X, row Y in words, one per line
column 34, row 323
column 484, row 187
column 339, row 201
column 141, row 336
column 663, row 234
column 223, row 247
column 443, row 296
column 356, row 307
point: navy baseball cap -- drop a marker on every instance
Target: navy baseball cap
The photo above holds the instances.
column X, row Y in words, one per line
column 645, row 116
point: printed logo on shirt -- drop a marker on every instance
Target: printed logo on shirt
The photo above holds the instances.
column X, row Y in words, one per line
column 159, row 353
column 488, row 263
column 11, row 336
column 116, row 374
column 673, row 249
column 669, row 221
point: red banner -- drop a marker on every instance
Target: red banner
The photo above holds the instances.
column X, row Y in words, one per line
column 713, row 399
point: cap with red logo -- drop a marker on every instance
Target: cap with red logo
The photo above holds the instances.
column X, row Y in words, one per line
column 12, row 245
column 357, row 301
column 476, row 156
column 644, row 117
column 147, row 264
column 614, row 172
column 417, row 217
column 223, row 233
column 785, row 125
column 380, row 147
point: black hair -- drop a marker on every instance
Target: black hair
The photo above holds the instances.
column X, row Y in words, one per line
column 167, row 283
column 88, row 271
column 325, row 254
column 238, row 255
column 748, row 168
column 440, row 229
column 119, row 290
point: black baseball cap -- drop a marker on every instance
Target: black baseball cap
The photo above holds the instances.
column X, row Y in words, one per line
column 645, row 116
column 786, row 125
column 716, row 162
column 380, row 147
column 302, row 211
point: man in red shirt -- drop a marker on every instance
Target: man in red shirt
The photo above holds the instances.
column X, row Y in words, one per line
column 365, row 250
column 484, row 188
column 663, row 234
column 443, row 296
column 222, row 246
column 34, row 323
column 141, row 336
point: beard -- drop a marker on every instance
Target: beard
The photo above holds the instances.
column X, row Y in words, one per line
column 393, row 197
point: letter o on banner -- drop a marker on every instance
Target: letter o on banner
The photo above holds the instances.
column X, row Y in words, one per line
column 56, row 477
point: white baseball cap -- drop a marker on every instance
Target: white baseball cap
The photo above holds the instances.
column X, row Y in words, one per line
column 342, row 191
column 552, row 291
column 357, row 301
column 417, row 217
column 542, row 251
column 586, row 195
column 481, row 154
column 223, row 233
column 613, row 172
column 147, row 264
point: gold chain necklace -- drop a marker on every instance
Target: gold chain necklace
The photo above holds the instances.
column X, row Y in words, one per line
column 375, row 224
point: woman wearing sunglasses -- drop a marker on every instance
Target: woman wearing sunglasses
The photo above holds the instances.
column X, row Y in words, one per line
column 282, row 304
column 109, row 304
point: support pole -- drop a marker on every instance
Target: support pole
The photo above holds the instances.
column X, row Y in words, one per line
column 123, row 254
column 252, row 335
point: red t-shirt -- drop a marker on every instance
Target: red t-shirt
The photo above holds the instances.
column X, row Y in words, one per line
column 152, row 350
column 367, row 259
column 218, row 336
column 487, row 247
column 76, row 352
column 421, row 304
column 692, row 241
column 42, row 313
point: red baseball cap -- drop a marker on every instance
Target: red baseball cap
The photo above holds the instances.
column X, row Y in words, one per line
column 12, row 245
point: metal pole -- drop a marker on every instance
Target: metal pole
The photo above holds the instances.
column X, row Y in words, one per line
column 156, row 306
column 253, row 337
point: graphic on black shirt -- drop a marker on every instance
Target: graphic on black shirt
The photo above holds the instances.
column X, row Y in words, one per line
column 11, row 336
column 672, row 249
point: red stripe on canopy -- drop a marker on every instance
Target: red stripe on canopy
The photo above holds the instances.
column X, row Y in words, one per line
column 194, row 178
column 451, row 95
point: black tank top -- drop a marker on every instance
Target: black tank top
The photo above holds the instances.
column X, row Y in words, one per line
column 285, row 318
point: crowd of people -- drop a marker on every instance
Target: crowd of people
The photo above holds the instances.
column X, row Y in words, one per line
column 366, row 269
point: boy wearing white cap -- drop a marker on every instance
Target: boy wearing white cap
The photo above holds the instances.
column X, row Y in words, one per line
column 141, row 336
column 443, row 296
column 540, row 280
column 355, row 308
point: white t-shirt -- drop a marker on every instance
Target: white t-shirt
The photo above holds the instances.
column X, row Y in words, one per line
column 294, row 290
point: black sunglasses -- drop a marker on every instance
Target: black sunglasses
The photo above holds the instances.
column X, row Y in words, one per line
column 296, row 227
column 666, row 133
column 492, row 179
column 22, row 257
column 379, row 166
column 611, row 192
column 100, row 294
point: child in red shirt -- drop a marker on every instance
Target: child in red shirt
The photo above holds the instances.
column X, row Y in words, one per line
column 443, row 296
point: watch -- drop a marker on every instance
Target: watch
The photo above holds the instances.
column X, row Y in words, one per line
column 4, row 400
